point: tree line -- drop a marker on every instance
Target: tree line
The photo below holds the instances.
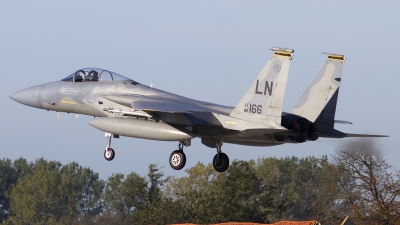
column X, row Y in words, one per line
column 355, row 181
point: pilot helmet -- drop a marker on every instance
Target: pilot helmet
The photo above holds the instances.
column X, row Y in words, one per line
column 94, row 73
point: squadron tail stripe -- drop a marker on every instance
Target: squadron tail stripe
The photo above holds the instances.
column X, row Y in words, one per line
column 285, row 54
column 335, row 56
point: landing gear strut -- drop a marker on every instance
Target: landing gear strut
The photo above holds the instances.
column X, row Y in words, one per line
column 109, row 153
column 221, row 160
column 177, row 159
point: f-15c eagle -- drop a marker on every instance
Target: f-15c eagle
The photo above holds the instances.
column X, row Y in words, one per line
column 128, row 108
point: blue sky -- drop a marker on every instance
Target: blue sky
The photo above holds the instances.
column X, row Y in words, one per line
column 206, row 50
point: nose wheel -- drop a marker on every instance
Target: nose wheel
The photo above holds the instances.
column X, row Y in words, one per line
column 220, row 160
column 109, row 153
column 177, row 159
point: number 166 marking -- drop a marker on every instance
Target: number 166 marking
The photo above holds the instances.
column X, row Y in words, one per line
column 253, row 108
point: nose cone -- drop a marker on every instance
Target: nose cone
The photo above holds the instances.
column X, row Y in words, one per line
column 28, row 96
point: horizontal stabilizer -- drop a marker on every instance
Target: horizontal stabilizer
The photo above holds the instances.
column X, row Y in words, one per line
column 366, row 135
column 342, row 122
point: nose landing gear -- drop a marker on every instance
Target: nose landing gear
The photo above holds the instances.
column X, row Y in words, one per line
column 109, row 153
column 177, row 159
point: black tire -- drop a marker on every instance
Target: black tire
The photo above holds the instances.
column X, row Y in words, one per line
column 109, row 155
column 177, row 160
column 222, row 164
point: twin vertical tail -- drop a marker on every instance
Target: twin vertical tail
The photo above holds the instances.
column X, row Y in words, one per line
column 264, row 99
column 320, row 98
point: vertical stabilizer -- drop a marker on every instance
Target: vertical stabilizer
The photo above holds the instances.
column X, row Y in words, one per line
column 264, row 99
column 327, row 115
column 321, row 89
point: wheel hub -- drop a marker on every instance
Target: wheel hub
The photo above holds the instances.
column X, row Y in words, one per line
column 176, row 159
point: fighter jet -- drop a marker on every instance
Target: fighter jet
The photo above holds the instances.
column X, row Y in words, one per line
column 125, row 107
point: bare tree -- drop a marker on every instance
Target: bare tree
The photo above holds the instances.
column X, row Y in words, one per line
column 373, row 195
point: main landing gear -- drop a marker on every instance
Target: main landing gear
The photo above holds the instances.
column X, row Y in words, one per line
column 109, row 153
column 220, row 160
column 177, row 159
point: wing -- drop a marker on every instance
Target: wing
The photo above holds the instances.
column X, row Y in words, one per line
column 191, row 110
column 156, row 103
column 166, row 106
column 264, row 132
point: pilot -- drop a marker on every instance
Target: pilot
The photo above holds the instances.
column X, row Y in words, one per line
column 94, row 75
column 86, row 76
column 79, row 76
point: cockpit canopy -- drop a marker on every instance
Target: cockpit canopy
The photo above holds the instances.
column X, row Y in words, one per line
column 94, row 75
